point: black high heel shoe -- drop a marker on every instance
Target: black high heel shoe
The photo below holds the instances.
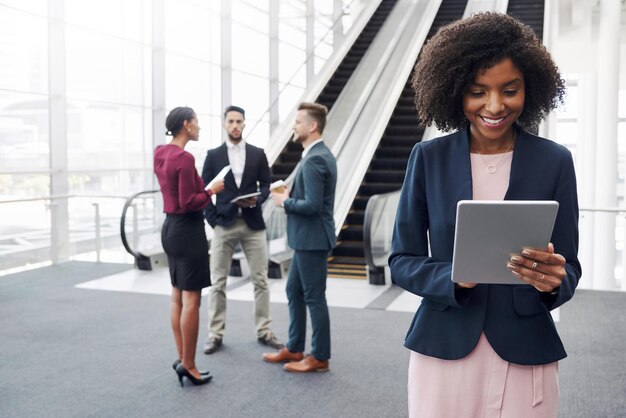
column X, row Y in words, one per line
column 177, row 362
column 182, row 372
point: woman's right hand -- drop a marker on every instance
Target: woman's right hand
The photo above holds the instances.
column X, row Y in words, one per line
column 218, row 186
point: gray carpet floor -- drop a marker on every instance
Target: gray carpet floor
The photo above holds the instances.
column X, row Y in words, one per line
column 68, row 352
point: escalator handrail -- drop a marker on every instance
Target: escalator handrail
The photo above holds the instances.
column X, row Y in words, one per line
column 127, row 204
column 368, row 220
column 283, row 133
column 362, row 141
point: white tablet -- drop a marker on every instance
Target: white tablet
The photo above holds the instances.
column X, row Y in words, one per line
column 488, row 232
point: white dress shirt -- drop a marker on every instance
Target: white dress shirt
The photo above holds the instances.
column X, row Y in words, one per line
column 311, row 145
column 237, row 159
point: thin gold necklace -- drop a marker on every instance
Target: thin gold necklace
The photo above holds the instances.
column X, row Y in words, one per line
column 492, row 168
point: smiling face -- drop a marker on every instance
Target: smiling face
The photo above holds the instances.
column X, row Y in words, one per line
column 302, row 127
column 493, row 103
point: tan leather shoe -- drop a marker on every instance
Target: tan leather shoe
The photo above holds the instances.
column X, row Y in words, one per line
column 282, row 356
column 307, row 365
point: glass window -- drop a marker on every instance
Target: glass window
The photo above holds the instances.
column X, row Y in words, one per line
column 110, row 182
column 250, row 51
column 567, row 135
column 189, row 29
column 101, row 67
column 215, row 24
column 289, row 97
column 24, row 136
column 130, row 19
column 23, row 51
column 251, row 93
column 210, row 137
column 322, row 53
column 291, row 64
column 251, row 16
column 263, row 6
column 324, row 9
column 101, row 16
column 259, row 133
column 188, row 82
column 39, row 7
column 107, row 136
column 292, row 30
column 621, row 104
column 24, row 235
column 16, row 186
column 570, row 107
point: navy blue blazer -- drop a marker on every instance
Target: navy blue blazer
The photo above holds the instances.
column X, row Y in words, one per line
column 309, row 209
column 256, row 177
column 515, row 318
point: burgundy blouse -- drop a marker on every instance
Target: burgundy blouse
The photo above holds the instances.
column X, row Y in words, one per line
column 181, row 186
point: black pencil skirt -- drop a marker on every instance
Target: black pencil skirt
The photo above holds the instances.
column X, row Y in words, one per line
column 185, row 244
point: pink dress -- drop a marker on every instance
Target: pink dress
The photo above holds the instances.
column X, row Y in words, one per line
column 482, row 385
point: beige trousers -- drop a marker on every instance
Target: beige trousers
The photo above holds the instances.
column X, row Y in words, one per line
column 223, row 244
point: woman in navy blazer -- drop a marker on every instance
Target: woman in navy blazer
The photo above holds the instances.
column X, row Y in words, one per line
column 488, row 77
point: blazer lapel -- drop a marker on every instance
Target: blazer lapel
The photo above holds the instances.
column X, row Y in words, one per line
column 229, row 180
column 461, row 167
column 519, row 165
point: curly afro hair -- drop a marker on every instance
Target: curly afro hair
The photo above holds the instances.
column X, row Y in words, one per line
column 449, row 62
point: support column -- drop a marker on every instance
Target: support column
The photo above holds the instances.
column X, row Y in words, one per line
column 337, row 20
column 158, row 74
column 59, row 186
column 227, row 56
column 310, row 41
column 606, row 150
column 586, row 177
column 274, row 65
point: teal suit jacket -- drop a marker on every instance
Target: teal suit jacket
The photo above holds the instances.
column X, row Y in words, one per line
column 309, row 209
column 515, row 318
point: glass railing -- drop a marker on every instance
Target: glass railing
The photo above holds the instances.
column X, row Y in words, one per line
column 35, row 231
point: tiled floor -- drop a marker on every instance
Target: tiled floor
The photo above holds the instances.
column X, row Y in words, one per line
column 345, row 293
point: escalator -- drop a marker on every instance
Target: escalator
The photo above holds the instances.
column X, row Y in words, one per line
column 288, row 158
column 529, row 12
column 386, row 170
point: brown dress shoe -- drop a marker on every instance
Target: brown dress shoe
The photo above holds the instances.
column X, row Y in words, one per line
column 282, row 356
column 307, row 365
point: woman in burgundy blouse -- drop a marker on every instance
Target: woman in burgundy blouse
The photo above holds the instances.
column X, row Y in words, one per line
column 183, row 237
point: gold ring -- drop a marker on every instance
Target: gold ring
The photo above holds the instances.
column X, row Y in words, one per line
column 534, row 266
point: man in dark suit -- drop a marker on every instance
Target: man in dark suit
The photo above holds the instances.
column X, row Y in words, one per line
column 235, row 223
column 311, row 234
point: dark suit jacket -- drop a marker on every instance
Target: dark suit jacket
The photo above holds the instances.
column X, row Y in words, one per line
column 309, row 209
column 515, row 318
column 256, row 177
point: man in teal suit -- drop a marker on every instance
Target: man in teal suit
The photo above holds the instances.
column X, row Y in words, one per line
column 311, row 234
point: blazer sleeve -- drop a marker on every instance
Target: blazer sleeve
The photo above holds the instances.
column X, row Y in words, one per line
column 210, row 212
column 264, row 179
column 565, row 233
column 313, row 173
column 411, row 266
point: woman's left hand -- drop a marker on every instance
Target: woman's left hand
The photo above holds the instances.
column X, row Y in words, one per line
column 542, row 269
